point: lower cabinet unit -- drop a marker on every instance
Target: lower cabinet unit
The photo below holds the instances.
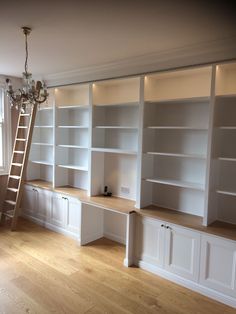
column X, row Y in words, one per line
column 182, row 251
column 173, row 248
column 218, row 264
column 54, row 210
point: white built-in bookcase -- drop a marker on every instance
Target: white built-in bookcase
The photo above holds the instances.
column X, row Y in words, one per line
column 165, row 139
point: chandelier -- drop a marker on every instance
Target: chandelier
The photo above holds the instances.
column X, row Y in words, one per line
column 32, row 92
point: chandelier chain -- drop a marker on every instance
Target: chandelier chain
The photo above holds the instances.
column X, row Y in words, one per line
column 26, row 54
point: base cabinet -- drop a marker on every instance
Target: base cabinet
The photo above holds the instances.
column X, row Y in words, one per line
column 218, row 264
column 182, row 252
column 54, row 210
column 173, row 248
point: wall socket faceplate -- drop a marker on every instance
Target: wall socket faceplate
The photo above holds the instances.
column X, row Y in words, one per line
column 125, row 190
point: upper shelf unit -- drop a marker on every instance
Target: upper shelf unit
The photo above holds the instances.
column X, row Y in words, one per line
column 226, row 79
column 73, row 96
column 180, row 84
column 117, row 92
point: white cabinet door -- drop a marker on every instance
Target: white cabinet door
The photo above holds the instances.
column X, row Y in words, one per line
column 73, row 215
column 150, row 241
column 29, row 202
column 44, row 199
column 218, row 264
column 58, row 211
column 182, row 252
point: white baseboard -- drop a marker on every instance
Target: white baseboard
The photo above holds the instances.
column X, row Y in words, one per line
column 90, row 238
column 187, row 283
column 52, row 227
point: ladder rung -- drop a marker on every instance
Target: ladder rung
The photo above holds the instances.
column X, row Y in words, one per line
column 12, row 190
column 14, row 177
column 16, row 164
column 19, row 151
column 13, row 203
column 9, row 213
column 22, row 127
column 24, row 114
column 21, row 139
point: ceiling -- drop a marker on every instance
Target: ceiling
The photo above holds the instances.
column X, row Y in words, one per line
column 70, row 35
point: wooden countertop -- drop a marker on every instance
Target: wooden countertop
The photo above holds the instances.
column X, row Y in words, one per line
column 113, row 203
column 125, row 206
column 217, row 228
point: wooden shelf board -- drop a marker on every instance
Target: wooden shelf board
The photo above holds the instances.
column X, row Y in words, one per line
column 178, row 183
column 166, row 127
column 73, row 167
column 114, row 150
column 230, row 193
column 126, row 104
column 42, row 162
column 217, row 228
column 190, row 100
column 72, row 146
column 125, row 206
column 196, row 156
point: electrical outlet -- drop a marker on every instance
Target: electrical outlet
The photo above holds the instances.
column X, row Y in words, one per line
column 125, row 190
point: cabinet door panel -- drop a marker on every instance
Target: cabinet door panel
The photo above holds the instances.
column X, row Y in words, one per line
column 73, row 215
column 150, row 241
column 58, row 212
column 44, row 204
column 182, row 252
column 218, row 264
column 29, row 204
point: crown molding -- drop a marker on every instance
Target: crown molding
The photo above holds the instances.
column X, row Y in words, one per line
column 201, row 53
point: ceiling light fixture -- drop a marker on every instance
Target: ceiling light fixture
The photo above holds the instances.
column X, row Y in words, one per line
column 31, row 93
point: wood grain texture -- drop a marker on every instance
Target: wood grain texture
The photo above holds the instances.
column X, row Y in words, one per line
column 124, row 206
column 44, row 272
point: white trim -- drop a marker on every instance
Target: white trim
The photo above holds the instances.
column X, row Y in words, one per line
column 201, row 53
column 187, row 283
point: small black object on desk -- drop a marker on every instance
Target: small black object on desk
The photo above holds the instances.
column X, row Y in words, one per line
column 106, row 193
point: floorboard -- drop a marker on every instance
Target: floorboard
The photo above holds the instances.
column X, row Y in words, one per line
column 45, row 272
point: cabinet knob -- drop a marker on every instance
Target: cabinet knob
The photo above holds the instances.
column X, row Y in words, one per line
column 162, row 225
column 168, row 227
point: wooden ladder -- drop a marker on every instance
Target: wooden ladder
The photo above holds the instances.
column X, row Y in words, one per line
column 20, row 155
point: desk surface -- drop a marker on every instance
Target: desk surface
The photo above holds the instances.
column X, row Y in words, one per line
column 125, row 206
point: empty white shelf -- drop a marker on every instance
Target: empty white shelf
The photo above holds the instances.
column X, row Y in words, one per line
column 179, row 100
column 115, row 127
column 178, row 183
column 114, row 150
column 118, row 104
column 72, row 127
column 196, row 156
column 226, row 127
column 72, row 146
column 227, row 159
column 42, row 144
column 226, row 192
column 45, row 108
column 73, row 167
column 43, row 126
column 176, row 128
column 42, row 162
column 74, row 107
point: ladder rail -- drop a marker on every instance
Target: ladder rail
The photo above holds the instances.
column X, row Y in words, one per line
column 15, row 212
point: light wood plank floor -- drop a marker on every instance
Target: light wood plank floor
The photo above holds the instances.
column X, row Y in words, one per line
column 45, row 272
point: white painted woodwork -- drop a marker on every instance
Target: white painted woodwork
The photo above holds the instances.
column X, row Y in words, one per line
column 218, row 264
column 182, row 251
column 58, row 211
column 73, row 215
column 226, row 78
column 29, row 201
column 150, row 241
column 44, row 199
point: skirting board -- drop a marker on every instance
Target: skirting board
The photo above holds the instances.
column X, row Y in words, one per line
column 115, row 237
column 188, row 284
column 52, row 227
